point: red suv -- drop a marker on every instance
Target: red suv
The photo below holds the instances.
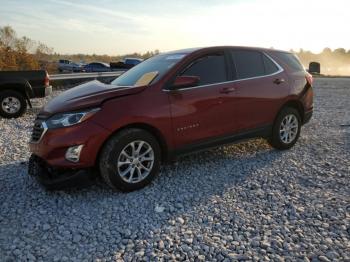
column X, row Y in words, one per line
column 169, row 105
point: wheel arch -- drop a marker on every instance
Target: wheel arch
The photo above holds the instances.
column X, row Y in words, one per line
column 22, row 87
column 296, row 104
column 147, row 127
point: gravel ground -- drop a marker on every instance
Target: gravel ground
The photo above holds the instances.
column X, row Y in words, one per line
column 241, row 202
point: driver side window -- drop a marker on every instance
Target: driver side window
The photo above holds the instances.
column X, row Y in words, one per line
column 210, row 69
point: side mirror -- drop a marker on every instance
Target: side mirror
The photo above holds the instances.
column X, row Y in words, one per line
column 186, row 81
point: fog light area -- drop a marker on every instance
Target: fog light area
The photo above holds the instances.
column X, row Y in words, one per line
column 73, row 153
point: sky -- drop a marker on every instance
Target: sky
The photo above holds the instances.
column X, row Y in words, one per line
column 116, row 27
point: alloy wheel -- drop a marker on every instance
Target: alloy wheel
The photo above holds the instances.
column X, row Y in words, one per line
column 135, row 161
column 10, row 105
column 289, row 128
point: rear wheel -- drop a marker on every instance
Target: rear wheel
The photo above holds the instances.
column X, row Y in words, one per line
column 286, row 129
column 130, row 160
column 12, row 104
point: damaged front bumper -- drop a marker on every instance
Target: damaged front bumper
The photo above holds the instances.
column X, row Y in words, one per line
column 57, row 179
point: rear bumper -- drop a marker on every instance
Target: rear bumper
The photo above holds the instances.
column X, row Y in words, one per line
column 48, row 90
column 307, row 117
column 41, row 91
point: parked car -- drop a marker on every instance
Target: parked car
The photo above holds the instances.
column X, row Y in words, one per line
column 132, row 61
column 314, row 68
column 97, row 67
column 18, row 87
column 69, row 66
column 169, row 105
column 125, row 64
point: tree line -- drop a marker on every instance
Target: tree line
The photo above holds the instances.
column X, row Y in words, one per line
column 22, row 53
column 333, row 62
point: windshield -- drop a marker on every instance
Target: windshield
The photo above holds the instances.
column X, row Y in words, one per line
column 159, row 64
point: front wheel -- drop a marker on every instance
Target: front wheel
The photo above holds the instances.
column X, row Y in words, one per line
column 286, row 129
column 130, row 160
column 12, row 104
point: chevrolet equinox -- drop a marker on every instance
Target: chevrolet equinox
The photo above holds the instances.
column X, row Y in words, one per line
column 169, row 105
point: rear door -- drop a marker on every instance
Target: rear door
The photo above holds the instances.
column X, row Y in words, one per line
column 199, row 113
column 261, row 88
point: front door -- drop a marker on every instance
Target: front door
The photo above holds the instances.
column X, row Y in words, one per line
column 200, row 113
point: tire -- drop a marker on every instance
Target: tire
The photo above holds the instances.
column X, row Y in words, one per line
column 12, row 104
column 280, row 140
column 113, row 161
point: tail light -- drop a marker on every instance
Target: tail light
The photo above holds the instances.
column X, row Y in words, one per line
column 309, row 78
column 47, row 80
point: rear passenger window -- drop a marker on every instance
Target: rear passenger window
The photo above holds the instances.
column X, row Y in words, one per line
column 291, row 60
column 248, row 63
column 270, row 67
column 211, row 69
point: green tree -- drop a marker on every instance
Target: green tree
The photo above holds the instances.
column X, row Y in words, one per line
column 327, row 51
column 339, row 51
column 7, row 43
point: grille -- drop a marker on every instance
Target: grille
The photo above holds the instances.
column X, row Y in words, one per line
column 38, row 131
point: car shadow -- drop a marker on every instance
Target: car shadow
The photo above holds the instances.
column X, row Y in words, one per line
column 178, row 191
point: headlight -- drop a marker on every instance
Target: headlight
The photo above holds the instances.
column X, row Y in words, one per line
column 70, row 119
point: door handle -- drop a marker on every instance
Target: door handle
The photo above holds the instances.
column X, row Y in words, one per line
column 227, row 90
column 278, row 81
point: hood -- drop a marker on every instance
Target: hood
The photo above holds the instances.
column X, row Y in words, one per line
column 86, row 95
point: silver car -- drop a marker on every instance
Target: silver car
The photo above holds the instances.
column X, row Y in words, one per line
column 69, row 66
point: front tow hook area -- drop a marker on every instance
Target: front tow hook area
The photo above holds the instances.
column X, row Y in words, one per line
column 59, row 179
